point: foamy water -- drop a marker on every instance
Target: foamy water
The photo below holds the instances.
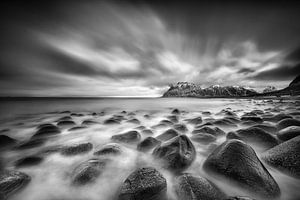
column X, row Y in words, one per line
column 51, row 179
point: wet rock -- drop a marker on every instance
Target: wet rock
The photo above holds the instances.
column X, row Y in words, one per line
column 257, row 112
column 88, row 171
column 66, row 123
column 76, row 149
column 147, row 132
column 109, row 149
column 237, row 162
column 159, row 126
column 6, row 141
column 46, row 130
column 128, row 137
column 196, row 120
column 173, row 118
column 210, row 130
column 232, row 135
column 190, row 187
column 112, row 121
column 180, row 127
column 32, row 143
column 12, row 182
column 252, row 118
column 29, row 161
column 224, row 123
column 177, row 153
column 239, row 198
column 148, row 144
column 287, row 122
column 288, row 133
column 248, row 123
column 144, row 184
column 257, row 136
column 76, row 128
column 206, row 113
column 77, row 114
column 66, row 118
column 140, row 128
column 266, row 127
column 167, row 135
column 131, row 114
column 65, row 112
column 285, row 157
column 232, row 119
column 166, row 122
column 134, row 121
column 277, row 117
column 203, row 138
column 175, row 112
column 89, row 122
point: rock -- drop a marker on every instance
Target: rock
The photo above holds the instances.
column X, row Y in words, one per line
column 29, row 161
column 173, row 118
column 76, row 128
column 285, row 157
column 148, row 144
column 239, row 198
column 112, row 121
column 224, row 123
column 66, row 118
column 277, row 117
column 237, row 162
column 6, row 141
column 89, row 122
column 32, row 143
column 267, row 127
column 209, row 130
column 166, row 122
column 147, row 131
column 167, row 135
column 232, row 135
column 134, row 121
column 144, row 184
column 76, row 149
column 190, row 187
column 288, row 133
column 196, row 120
column 287, row 122
column 88, row 171
column 66, row 123
column 206, row 113
column 252, row 118
column 12, row 181
column 175, row 111
column 140, row 128
column 257, row 136
column 180, row 127
column 248, row 123
column 46, row 130
column 128, row 137
column 203, row 138
column 111, row 149
column 177, row 153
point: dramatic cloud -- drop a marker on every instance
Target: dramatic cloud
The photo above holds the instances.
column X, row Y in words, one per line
column 118, row 48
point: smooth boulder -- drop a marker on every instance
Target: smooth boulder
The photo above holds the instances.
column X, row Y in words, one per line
column 46, row 130
column 189, row 187
column 167, row 135
column 11, row 182
column 285, row 157
column 109, row 149
column 288, row 133
column 144, row 184
column 236, row 161
column 287, row 122
column 148, row 144
column 177, row 154
column 76, row 149
column 128, row 137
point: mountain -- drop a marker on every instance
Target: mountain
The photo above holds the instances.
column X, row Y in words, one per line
column 186, row 89
column 292, row 90
column 269, row 89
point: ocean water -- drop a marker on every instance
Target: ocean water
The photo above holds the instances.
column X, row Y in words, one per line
column 51, row 179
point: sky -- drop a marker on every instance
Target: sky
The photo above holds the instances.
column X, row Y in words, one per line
column 137, row 48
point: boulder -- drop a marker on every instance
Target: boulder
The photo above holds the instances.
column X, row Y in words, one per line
column 175, row 112
column 224, row 123
column 173, row 118
column 257, row 136
column 267, row 127
column 109, row 149
column 276, row 118
column 76, row 128
column 167, row 135
column 89, row 122
column 88, row 171
column 285, row 157
column 66, row 118
column 147, row 132
column 239, row 198
column 148, row 144
column 144, row 184
column 188, row 187
column 180, row 127
column 287, row 122
column 215, row 131
column 46, row 130
column 32, row 143
column 203, row 138
column 66, row 123
column 76, row 149
column 134, row 121
column 11, row 182
column 112, row 121
column 236, row 161
column 177, row 154
column 6, row 141
column 29, row 161
column 196, row 120
column 128, row 137
column 252, row 118
column 289, row 133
